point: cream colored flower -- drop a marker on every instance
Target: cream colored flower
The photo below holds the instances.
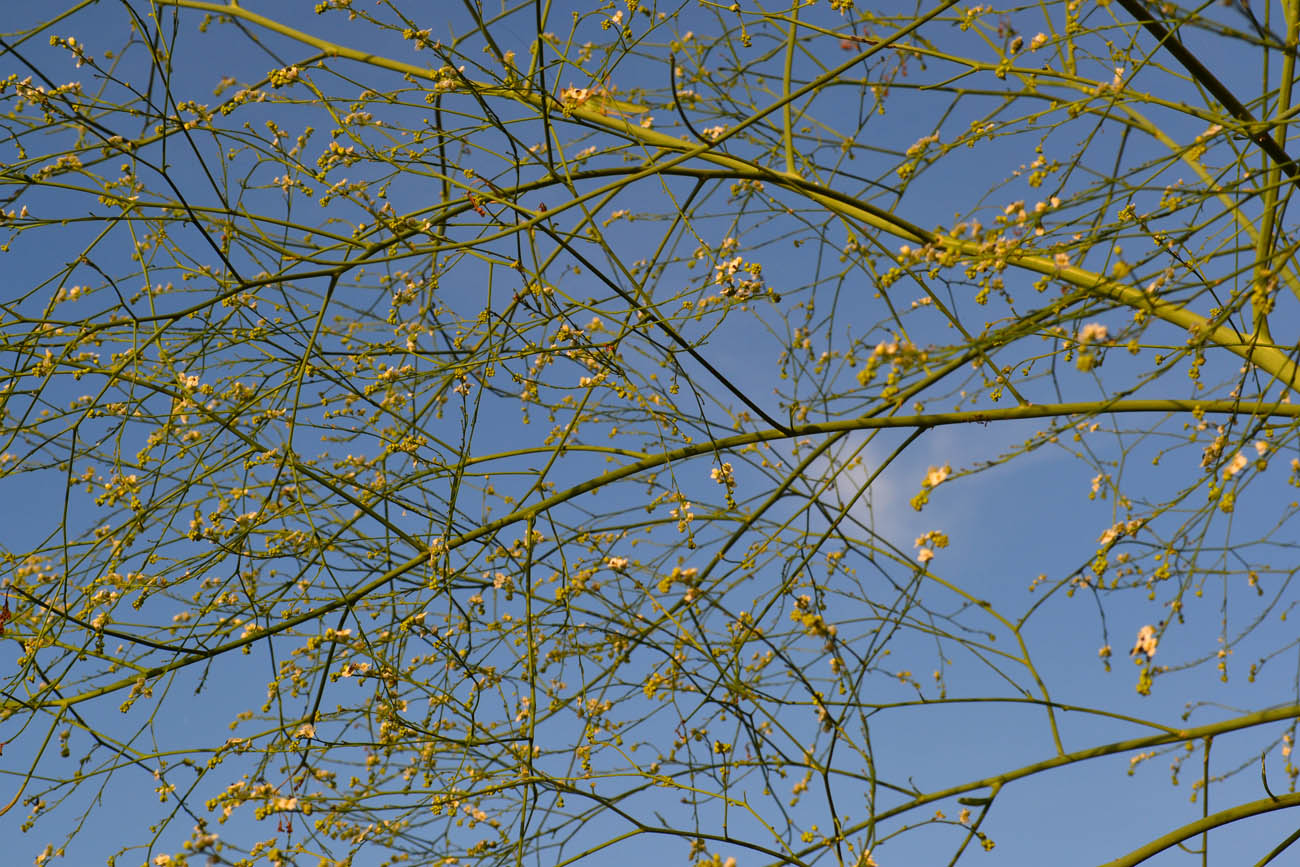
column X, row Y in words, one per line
column 1237, row 464
column 935, row 476
column 1146, row 642
column 1094, row 332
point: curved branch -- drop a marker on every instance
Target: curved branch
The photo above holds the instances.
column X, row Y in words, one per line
column 1225, row 817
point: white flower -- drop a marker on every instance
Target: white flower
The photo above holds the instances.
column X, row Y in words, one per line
column 937, row 475
column 1094, row 332
column 1146, row 642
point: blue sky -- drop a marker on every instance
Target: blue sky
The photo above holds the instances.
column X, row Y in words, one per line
column 1007, row 525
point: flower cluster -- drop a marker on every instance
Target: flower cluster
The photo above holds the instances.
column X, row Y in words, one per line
column 738, row 279
column 1146, row 643
column 725, row 476
column 934, row 477
column 928, row 543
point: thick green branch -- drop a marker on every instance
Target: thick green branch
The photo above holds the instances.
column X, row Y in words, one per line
column 1225, row 817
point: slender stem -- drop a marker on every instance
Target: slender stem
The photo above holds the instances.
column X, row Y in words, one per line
column 787, row 120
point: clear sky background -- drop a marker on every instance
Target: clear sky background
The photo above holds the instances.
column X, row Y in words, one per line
column 1007, row 525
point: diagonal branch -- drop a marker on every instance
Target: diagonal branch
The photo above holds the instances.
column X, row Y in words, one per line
column 1224, row 817
column 1207, row 80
